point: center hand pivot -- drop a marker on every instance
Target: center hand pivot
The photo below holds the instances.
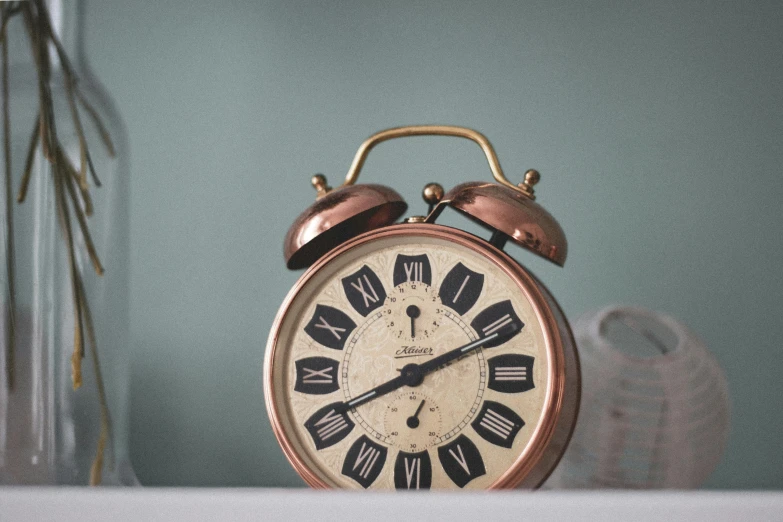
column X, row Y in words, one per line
column 413, row 374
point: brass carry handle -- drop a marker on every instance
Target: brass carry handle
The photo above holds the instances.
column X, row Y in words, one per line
column 428, row 130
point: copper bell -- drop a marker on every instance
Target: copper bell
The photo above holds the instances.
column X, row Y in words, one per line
column 345, row 212
column 514, row 213
column 337, row 216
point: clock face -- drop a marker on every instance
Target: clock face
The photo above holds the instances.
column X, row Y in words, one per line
column 410, row 362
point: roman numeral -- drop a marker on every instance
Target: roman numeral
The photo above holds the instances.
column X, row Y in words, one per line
column 498, row 318
column 316, row 375
column 461, row 288
column 364, row 461
column 511, row 373
column 412, row 466
column 368, row 457
column 461, row 460
column 364, row 290
column 497, row 325
column 498, row 424
column 336, row 330
column 413, row 471
column 330, row 424
column 330, row 327
column 368, row 298
column 327, row 427
column 412, row 269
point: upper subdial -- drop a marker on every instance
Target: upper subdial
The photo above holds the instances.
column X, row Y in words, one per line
column 412, row 311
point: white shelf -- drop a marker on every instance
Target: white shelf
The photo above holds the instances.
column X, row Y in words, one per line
column 150, row 504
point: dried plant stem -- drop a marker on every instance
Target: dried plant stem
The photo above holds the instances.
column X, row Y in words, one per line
column 65, row 225
column 10, row 330
column 28, row 165
column 41, row 57
column 79, row 216
column 66, row 179
column 96, row 119
column 105, row 433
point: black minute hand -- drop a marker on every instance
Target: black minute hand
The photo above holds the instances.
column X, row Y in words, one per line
column 445, row 358
column 383, row 389
column 413, row 374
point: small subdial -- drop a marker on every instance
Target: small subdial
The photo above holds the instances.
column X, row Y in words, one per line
column 412, row 421
column 412, row 311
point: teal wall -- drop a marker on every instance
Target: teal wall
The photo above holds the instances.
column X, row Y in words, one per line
column 657, row 126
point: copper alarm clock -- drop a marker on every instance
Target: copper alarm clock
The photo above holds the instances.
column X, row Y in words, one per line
column 419, row 356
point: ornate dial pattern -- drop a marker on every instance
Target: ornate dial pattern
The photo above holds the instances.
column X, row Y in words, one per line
column 409, row 364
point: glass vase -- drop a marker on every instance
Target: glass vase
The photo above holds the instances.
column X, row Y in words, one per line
column 50, row 432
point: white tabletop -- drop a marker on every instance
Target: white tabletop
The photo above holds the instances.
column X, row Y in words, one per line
column 151, row 504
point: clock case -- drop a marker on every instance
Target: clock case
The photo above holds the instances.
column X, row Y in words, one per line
column 351, row 214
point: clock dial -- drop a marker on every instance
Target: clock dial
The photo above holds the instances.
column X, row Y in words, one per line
column 412, row 313
column 412, row 421
column 403, row 348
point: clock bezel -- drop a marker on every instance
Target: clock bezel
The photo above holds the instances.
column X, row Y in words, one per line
column 550, row 438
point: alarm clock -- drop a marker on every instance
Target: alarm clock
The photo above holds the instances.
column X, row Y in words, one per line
column 416, row 356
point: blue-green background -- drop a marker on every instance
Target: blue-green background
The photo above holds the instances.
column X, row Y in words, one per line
column 657, row 126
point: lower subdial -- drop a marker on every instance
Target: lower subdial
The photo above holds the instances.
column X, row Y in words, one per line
column 412, row 421
column 412, row 311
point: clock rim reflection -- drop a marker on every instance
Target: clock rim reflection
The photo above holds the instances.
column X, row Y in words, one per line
column 561, row 397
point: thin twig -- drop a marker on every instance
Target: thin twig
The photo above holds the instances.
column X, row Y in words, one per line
column 96, row 262
column 28, row 165
column 70, row 81
column 85, row 192
column 105, row 434
column 77, row 123
column 65, row 223
column 41, row 56
column 105, row 136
